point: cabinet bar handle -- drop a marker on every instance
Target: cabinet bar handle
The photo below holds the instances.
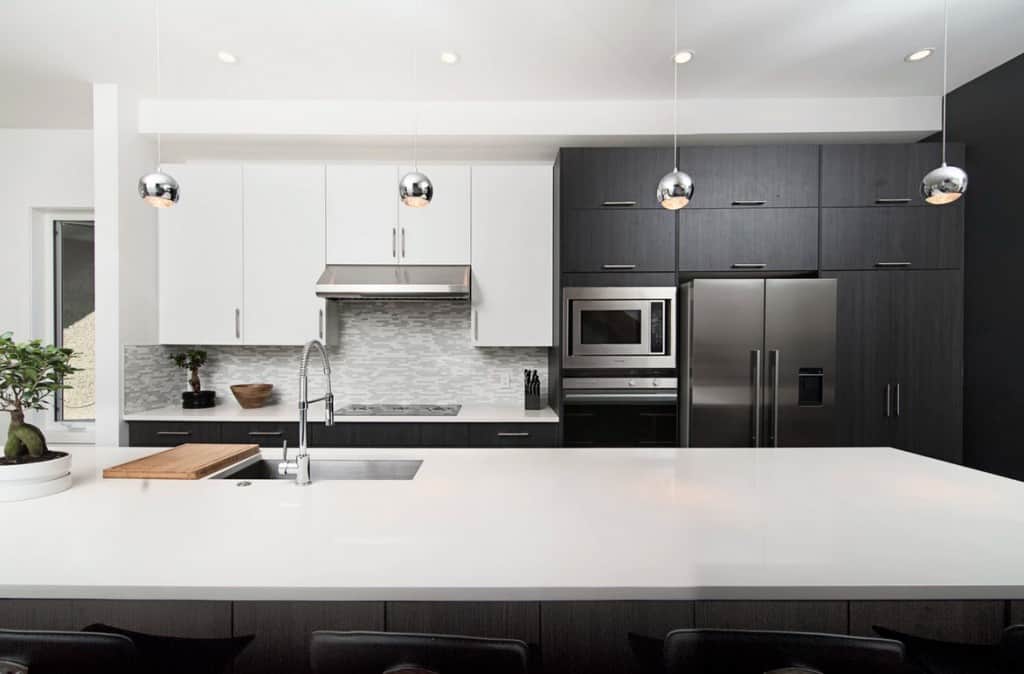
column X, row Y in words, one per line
column 749, row 265
column 320, row 323
column 403, row 243
column 175, row 434
column 888, row 400
column 394, row 242
column 892, row 264
column 899, row 406
column 618, row 204
column 476, row 325
column 238, row 323
column 508, row 434
column 618, row 266
column 266, row 434
column 893, row 200
column 749, row 202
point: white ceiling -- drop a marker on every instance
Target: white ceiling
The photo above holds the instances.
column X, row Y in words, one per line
column 525, row 50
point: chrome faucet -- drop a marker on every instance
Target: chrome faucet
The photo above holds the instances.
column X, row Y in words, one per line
column 300, row 466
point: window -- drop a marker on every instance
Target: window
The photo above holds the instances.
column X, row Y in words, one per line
column 74, row 317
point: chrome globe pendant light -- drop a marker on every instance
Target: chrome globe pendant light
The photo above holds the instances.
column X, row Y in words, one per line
column 945, row 184
column 675, row 189
column 158, row 189
column 415, row 189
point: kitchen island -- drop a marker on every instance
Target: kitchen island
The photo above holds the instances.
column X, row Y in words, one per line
column 557, row 546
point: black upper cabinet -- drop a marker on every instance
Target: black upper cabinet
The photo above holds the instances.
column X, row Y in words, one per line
column 752, row 176
column 783, row 239
column 873, row 175
column 892, row 236
column 612, row 177
column 618, row 240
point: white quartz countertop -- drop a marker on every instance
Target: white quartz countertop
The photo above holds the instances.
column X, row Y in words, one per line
column 533, row 524
column 230, row 411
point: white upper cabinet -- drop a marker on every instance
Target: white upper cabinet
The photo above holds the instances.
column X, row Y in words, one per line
column 284, row 253
column 440, row 232
column 513, row 291
column 200, row 257
column 362, row 214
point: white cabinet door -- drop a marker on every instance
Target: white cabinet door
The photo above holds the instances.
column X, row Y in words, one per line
column 362, row 214
column 438, row 233
column 513, row 301
column 200, row 257
column 284, row 253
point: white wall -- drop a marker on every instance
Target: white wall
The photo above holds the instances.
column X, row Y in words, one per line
column 126, row 245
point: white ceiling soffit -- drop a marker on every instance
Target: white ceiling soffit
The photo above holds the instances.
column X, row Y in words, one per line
column 531, row 50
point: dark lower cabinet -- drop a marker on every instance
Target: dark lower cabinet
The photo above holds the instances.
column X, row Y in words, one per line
column 196, row 619
column 513, row 435
column 263, row 434
column 963, row 621
column 444, row 434
column 620, row 241
column 1017, row 612
column 875, row 238
column 368, row 434
column 497, row 620
column 620, row 425
column 829, row 617
column 768, row 239
column 171, row 433
column 283, row 629
column 592, row 636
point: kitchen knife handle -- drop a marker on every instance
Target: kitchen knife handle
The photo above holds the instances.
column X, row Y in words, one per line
column 776, row 356
column 899, row 406
column 892, row 200
column 758, row 397
column 888, row 400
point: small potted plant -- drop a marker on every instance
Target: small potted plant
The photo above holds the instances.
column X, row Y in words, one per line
column 30, row 373
column 197, row 398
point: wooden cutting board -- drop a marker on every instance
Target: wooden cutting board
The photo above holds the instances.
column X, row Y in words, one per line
column 190, row 461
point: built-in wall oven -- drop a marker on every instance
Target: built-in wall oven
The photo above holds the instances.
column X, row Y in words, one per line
column 619, row 378
column 618, row 328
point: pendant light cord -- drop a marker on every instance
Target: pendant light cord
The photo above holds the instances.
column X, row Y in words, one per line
column 416, row 107
column 156, row 18
column 945, row 73
column 675, row 85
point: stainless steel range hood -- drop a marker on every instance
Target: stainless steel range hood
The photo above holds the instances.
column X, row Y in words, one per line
column 385, row 281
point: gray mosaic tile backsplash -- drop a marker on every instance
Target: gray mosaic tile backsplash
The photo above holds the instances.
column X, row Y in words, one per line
column 396, row 352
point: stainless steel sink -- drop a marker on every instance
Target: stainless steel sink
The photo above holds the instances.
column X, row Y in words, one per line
column 330, row 469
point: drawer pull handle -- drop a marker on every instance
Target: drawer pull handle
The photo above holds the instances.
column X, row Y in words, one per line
column 618, row 266
column 892, row 264
column 749, row 265
column 893, row 200
column 618, row 204
column 507, row 434
column 174, row 433
column 749, row 202
column 266, row 434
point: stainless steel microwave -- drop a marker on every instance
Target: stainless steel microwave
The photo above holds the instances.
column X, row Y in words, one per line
column 618, row 328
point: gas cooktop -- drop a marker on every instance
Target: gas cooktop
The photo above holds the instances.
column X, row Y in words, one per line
column 386, row 410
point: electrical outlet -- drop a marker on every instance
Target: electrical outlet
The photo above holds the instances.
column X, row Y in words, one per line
column 506, row 380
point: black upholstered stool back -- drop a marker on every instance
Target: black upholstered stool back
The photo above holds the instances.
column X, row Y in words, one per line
column 753, row 652
column 65, row 653
column 380, row 652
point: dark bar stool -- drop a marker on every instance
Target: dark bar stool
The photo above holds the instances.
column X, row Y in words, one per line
column 159, row 654
column 755, row 652
column 34, row 652
column 393, row 653
column 949, row 657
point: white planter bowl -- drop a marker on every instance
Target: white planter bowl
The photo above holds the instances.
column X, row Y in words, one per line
column 33, row 480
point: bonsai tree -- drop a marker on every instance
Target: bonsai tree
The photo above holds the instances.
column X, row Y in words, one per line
column 191, row 360
column 30, row 373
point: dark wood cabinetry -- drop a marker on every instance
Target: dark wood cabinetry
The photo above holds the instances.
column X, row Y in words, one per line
column 171, row 433
column 513, row 435
column 612, row 178
column 264, row 434
column 621, row 241
column 899, row 360
column 768, row 176
column 892, row 236
column 829, row 617
column 770, row 239
column 495, row 620
column 873, row 175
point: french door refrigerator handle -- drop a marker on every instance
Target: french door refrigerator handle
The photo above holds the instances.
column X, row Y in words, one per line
column 758, row 397
column 775, row 357
column 899, row 407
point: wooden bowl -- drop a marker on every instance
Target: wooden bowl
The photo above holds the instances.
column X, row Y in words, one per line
column 251, row 396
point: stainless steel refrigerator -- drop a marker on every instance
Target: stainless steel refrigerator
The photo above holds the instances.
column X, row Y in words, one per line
column 760, row 358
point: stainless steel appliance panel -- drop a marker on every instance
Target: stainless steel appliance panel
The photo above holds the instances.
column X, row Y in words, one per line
column 726, row 336
column 800, row 365
column 618, row 328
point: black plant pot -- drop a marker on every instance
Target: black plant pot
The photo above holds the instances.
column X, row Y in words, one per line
column 197, row 401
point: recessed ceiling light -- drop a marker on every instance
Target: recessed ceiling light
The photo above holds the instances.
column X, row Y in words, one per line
column 449, row 57
column 684, row 56
column 919, row 55
column 227, row 57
